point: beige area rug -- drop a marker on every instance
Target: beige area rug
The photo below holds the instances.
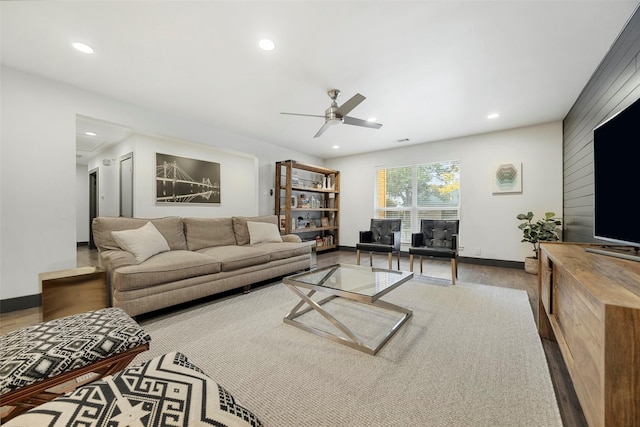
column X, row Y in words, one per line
column 469, row 356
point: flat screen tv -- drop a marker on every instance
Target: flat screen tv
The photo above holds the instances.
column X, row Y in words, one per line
column 616, row 163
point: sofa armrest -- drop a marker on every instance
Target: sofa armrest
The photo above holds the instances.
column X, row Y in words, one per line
column 291, row 238
column 112, row 259
column 417, row 239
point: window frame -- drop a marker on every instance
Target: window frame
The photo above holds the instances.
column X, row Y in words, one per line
column 413, row 211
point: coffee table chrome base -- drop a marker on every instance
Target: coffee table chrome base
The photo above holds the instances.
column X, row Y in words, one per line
column 352, row 340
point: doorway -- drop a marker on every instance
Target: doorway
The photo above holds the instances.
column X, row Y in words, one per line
column 126, row 185
column 93, row 203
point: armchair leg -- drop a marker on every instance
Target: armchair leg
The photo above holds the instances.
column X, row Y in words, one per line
column 398, row 255
column 390, row 260
column 411, row 263
column 370, row 259
column 454, row 271
column 358, row 256
column 420, row 264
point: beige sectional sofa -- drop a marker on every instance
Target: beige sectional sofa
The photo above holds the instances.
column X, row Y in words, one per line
column 193, row 258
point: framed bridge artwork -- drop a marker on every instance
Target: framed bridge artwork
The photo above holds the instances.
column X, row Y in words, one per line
column 184, row 180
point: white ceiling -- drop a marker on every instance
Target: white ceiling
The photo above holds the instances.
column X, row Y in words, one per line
column 430, row 70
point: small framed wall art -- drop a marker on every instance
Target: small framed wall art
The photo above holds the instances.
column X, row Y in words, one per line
column 506, row 178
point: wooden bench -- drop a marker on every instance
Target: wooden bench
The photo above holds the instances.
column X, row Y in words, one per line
column 46, row 360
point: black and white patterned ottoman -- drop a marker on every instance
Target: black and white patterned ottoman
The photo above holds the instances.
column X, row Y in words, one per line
column 165, row 391
column 35, row 360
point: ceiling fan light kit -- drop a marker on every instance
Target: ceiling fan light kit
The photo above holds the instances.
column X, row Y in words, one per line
column 336, row 115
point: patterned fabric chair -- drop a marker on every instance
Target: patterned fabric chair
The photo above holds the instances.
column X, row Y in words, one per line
column 383, row 236
column 437, row 239
column 46, row 360
column 166, row 390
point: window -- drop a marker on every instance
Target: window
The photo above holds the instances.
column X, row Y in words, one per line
column 412, row 193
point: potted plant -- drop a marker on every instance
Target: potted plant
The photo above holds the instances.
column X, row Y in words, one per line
column 542, row 230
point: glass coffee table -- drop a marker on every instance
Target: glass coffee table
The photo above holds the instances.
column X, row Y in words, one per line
column 354, row 283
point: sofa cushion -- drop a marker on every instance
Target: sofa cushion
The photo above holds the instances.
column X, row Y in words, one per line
column 170, row 227
column 263, row 232
column 142, row 242
column 208, row 232
column 236, row 257
column 163, row 268
column 166, row 390
column 284, row 250
column 241, row 229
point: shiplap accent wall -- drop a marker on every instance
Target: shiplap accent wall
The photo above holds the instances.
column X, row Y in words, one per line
column 614, row 85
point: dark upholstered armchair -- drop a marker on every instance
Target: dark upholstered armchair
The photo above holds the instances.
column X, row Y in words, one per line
column 437, row 239
column 383, row 236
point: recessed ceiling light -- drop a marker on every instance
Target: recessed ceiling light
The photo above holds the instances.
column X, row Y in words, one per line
column 493, row 116
column 83, row 47
column 266, row 44
column 335, row 147
column 90, row 133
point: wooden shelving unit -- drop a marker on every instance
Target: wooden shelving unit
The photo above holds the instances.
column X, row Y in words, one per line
column 308, row 202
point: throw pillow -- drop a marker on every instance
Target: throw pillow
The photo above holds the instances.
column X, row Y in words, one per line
column 242, row 231
column 143, row 242
column 260, row 232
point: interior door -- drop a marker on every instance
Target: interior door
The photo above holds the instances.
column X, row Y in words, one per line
column 126, row 185
column 93, row 204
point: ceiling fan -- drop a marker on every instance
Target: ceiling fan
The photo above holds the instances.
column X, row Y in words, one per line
column 335, row 115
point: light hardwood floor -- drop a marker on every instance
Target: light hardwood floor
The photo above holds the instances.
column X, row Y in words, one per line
column 570, row 410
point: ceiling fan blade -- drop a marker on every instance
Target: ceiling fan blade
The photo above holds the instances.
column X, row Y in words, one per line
column 308, row 115
column 322, row 129
column 359, row 122
column 352, row 103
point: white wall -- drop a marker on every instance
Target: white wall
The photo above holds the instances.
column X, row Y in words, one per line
column 238, row 177
column 38, row 229
column 487, row 222
column 39, row 180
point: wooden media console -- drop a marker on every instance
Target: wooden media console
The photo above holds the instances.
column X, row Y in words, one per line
column 590, row 304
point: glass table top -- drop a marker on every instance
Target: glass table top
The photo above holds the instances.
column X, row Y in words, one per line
column 352, row 279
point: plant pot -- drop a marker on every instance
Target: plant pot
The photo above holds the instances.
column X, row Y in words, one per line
column 531, row 265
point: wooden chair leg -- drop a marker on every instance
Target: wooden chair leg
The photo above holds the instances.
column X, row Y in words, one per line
column 358, row 256
column 398, row 255
column 411, row 263
column 420, row 264
column 370, row 259
column 454, row 271
column 390, row 259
